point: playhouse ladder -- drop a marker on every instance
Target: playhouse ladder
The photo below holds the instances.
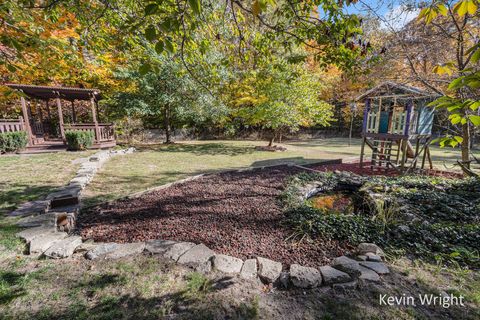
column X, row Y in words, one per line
column 385, row 154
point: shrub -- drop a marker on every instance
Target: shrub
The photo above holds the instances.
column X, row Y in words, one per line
column 79, row 140
column 13, row 141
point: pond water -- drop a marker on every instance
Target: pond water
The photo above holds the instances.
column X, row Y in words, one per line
column 338, row 202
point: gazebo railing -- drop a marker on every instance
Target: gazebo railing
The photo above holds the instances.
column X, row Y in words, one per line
column 12, row 125
column 105, row 130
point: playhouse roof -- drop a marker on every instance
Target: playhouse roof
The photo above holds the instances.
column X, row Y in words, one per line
column 392, row 89
column 66, row 93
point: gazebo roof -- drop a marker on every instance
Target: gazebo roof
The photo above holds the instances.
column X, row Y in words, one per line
column 395, row 89
column 66, row 93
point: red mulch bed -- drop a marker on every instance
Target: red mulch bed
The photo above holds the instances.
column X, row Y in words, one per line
column 234, row 213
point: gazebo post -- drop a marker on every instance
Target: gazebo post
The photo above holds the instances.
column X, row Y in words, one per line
column 27, row 121
column 94, row 116
column 60, row 119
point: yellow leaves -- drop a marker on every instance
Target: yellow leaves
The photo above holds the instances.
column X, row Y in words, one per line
column 446, row 68
column 430, row 13
column 466, row 6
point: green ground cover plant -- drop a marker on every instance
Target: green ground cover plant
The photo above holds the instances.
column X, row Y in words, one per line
column 432, row 218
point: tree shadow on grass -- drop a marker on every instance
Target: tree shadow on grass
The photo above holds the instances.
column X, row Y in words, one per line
column 12, row 286
column 200, row 149
column 13, row 195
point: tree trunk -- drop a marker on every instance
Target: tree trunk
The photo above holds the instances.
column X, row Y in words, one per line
column 166, row 124
column 466, row 145
column 272, row 139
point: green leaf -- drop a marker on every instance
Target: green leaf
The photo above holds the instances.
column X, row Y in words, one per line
column 475, row 120
column 195, row 5
column 457, row 83
column 458, row 139
column 169, row 46
column 150, row 33
column 144, row 68
column 159, row 46
column 11, row 67
column 151, row 8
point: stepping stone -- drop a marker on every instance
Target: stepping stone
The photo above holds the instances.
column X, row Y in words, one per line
column 41, row 243
column 347, row 265
column 31, row 208
column 46, row 219
column 198, row 257
column 373, row 257
column 227, row 264
column 176, row 250
column 79, row 181
column 249, row 269
column 305, row 277
column 362, row 257
column 378, row 267
column 63, row 248
column 365, row 247
column 125, row 249
column 159, row 246
column 65, row 200
column 331, row 275
column 31, row 233
column 100, row 250
column 269, row 270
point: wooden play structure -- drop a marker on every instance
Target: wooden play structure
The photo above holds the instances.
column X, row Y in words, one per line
column 47, row 127
column 397, row 127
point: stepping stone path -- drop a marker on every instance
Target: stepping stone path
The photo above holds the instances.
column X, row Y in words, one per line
column 47, row 219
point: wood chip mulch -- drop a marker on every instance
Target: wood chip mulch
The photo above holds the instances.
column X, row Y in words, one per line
column 233, row 213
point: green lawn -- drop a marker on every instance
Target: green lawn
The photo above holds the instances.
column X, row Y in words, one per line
column 155, row 165
column 30, row 177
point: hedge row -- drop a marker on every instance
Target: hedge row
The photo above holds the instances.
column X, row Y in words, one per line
column 79, row 140
column 13, row 141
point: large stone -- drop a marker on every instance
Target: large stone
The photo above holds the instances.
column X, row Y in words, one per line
column 31, row 233
column 249, row 269
column 64, row 200
column 100, row 250
column 347, row 265
column 80, row 181
column 41, row 243
column 159, row 246
column 368, row 275
column 373, row 257
column 305, row 277
column 227, row 264
column 331, row 275
column 125, row 249
column 176, row 250
column 268, row 270
column 46, row 219
column 63, row 248
column 198, row 257
column 378, row 267
column 365, row 247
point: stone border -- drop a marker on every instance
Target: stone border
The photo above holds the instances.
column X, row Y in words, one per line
column 50, row 220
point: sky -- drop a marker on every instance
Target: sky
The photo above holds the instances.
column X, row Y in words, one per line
column 394, row 12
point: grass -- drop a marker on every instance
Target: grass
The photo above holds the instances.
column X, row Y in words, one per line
column 159, row 164
column 30, row 177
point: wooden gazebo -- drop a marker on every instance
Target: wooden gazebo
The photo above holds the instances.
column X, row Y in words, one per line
column 36, row 127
